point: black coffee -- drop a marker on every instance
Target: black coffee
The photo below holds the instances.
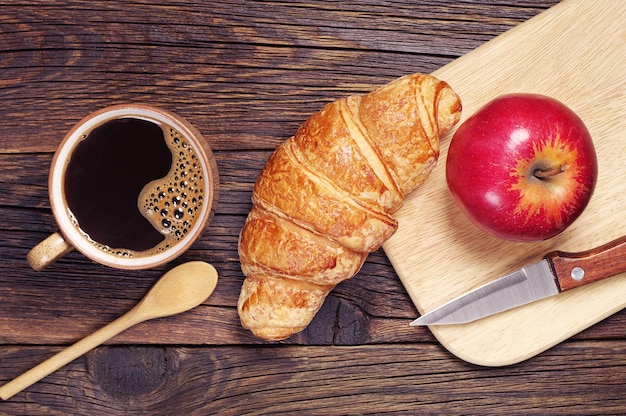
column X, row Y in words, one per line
column 134, row 187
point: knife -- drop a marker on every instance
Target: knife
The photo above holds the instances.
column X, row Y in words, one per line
column 557, row 272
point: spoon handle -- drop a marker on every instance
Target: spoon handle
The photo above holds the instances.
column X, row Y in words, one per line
column 71, row 353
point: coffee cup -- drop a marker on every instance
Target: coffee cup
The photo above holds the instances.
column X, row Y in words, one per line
column 131, row 186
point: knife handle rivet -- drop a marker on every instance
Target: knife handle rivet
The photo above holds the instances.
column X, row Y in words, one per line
column 577, row 273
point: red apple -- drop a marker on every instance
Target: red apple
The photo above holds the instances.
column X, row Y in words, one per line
column 523, row 167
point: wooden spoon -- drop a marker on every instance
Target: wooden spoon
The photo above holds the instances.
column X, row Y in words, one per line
column 179, row 290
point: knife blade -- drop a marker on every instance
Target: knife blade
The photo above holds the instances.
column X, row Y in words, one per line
column 557, row 272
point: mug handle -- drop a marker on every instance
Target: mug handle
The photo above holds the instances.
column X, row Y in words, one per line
column 48, row 251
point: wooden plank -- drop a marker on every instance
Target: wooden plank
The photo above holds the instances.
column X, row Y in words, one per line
column 402, row 379
column 246, row 76
column 586, row 69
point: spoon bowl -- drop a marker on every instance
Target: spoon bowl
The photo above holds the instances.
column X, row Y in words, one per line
column 179, row 290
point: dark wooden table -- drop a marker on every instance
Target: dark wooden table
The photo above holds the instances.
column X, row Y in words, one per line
column 246, row 74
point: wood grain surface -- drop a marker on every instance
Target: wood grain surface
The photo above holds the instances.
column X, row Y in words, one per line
column 246, row 74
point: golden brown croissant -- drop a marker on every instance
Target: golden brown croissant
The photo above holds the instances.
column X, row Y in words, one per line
column 325, row 199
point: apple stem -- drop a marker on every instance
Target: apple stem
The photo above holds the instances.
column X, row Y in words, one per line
column 548, row 172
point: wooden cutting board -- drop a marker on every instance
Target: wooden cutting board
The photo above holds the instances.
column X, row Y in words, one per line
column 576, row 53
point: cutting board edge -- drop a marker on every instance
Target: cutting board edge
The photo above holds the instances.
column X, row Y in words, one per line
column 481, row 361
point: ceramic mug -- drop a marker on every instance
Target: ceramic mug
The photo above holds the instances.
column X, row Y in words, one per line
column 131, row 187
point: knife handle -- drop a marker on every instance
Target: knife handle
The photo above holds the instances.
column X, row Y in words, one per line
column 573, row 270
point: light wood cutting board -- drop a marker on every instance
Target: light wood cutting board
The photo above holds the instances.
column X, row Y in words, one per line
column 576, row 53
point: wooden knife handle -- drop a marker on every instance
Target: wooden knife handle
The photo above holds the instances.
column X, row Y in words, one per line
column 577, row 269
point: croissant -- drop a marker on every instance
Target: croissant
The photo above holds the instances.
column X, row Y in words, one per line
column 326, row 196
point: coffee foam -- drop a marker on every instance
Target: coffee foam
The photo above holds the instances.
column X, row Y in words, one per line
column 173, row 203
